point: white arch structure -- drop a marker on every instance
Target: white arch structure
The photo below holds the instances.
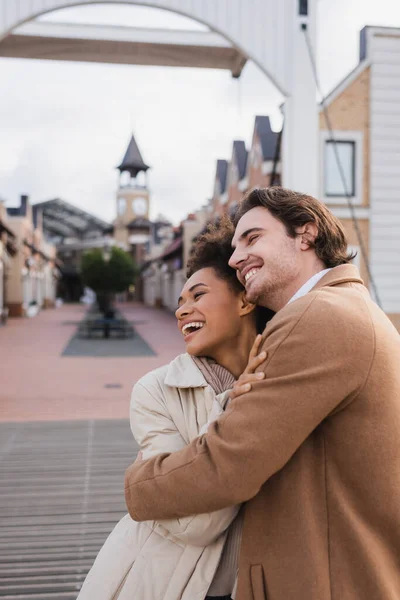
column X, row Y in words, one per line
column 269, row 32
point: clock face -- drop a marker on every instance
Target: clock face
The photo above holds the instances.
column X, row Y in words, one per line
column 121, row 206
column 139, row 206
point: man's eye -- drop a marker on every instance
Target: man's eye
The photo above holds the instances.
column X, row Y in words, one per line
column 252, row 238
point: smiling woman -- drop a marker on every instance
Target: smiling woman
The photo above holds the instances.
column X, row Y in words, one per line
column 213, row 313
column 170, row 407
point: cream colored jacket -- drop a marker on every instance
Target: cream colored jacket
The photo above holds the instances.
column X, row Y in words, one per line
column 176, row 558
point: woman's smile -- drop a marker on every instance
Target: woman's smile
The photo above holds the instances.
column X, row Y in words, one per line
column 191, row 332
column 191, row 327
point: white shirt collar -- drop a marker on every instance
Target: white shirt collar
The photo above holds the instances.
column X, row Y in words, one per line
column 308, row 285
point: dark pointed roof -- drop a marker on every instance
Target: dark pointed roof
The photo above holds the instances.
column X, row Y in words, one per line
column 133, row 161
column 268, row 138
column 240, row 152
column 222, row 170
column 19, row 211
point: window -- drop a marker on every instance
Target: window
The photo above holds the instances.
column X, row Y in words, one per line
column 333, row 181
column 121, row 206
column 303, row 7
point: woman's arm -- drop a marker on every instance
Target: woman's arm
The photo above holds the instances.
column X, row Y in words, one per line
column 155, row 432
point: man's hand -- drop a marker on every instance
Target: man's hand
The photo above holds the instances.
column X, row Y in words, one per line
column 243, row 384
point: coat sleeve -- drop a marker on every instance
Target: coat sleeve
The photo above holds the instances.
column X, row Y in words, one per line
column 318, row 360
column 155, row 432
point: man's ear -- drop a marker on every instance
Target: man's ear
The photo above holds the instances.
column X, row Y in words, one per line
column 308, row 234
column 246, row 307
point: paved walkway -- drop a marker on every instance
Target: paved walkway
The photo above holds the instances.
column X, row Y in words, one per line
column 37, row 383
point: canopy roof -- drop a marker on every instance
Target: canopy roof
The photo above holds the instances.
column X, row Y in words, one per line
column 64, row 220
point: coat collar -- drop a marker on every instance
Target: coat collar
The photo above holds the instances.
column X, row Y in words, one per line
column 183, row 373
column 338, row 275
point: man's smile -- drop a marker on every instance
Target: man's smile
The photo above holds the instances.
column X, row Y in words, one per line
column 250, row 273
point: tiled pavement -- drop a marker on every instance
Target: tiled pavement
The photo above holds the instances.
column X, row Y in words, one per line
column 64, row 445
column 37, row 383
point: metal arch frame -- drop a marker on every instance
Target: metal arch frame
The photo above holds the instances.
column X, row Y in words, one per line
column 150, row 4
column 168, row 5
column 269, row 33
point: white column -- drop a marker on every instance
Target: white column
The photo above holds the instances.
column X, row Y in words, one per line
column 25, row 288
column 1, row 285
column 300, row 133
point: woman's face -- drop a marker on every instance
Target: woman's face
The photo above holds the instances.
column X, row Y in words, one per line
column 209, row 313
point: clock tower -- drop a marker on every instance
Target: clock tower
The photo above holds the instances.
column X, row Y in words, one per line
column 132, row 197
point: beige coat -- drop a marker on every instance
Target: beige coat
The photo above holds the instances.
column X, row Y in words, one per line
column 315, row 450
column 176, row 558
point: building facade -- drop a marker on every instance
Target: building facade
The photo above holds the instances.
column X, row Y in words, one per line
column 164, row 275
column 31, row 279
column 363, row 129
column 365, row 118
column 8, row 250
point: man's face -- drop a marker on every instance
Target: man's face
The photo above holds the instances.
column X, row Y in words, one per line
column 266, row 258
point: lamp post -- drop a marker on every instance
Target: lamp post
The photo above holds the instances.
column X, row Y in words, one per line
column 108, row 313
column 108, row 244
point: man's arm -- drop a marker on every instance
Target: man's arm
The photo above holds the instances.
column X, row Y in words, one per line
column 317, row 362
column 155, row 431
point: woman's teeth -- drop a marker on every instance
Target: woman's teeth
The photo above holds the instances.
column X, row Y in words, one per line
column 250, row 274
column 190, row 327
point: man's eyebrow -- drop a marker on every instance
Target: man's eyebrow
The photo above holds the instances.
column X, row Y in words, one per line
column 246, row 233
column 190, row 290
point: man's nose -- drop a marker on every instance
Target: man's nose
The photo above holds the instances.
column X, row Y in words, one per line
column 236, row 258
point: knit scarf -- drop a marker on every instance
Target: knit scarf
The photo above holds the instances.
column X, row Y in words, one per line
column 219, row 378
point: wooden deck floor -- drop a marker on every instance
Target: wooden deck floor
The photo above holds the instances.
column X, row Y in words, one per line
column 61, row 493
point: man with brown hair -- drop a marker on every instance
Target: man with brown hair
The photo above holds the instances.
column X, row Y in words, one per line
column 313, row 447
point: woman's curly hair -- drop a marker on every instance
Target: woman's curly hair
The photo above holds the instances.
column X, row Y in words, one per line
column 212, row 249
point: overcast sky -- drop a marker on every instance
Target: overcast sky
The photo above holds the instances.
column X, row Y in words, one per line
column 65, row 126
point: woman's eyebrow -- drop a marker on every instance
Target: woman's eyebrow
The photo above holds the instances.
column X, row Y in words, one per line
column 191, row 290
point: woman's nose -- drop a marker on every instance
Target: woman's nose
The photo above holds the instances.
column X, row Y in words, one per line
column 182, row 311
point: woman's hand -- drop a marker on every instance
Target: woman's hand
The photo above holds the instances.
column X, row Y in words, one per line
column 249, row 376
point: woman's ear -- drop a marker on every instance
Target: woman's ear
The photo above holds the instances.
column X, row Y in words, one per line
column 246, row 307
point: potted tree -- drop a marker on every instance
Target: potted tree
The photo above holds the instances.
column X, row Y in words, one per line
column 107, row 274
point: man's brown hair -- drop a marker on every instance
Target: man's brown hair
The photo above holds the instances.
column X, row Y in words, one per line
column 295, row 210
column 213, row 248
